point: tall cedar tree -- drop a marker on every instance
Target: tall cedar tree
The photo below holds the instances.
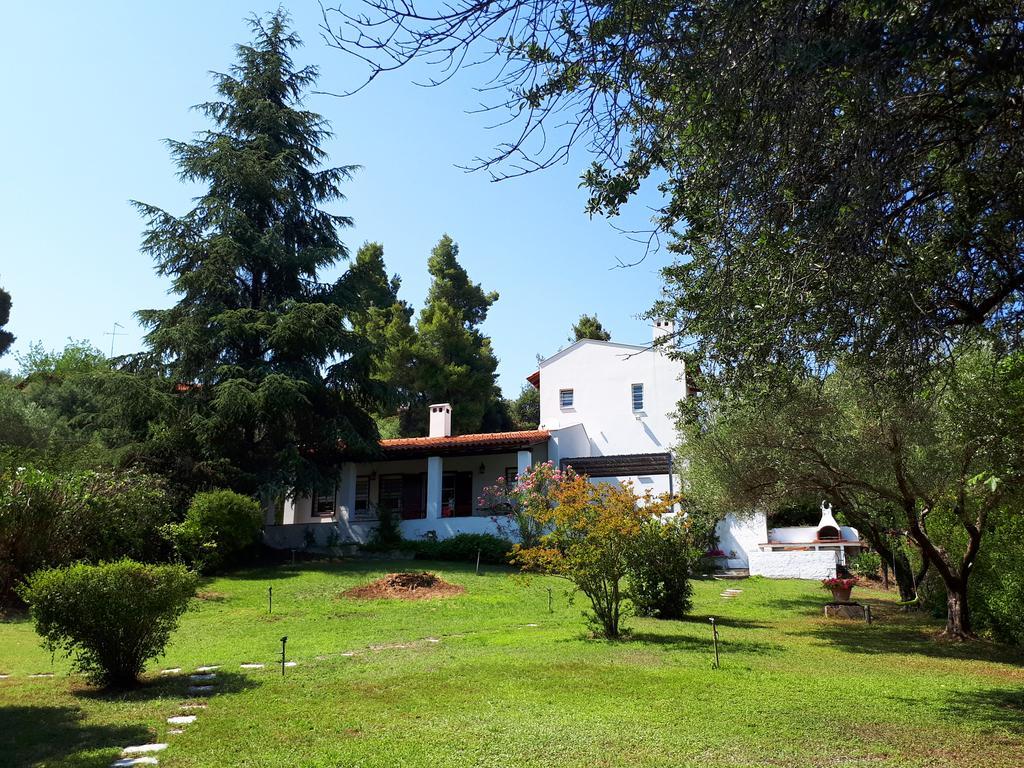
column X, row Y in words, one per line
column 453, row 359
column 589, row 327
column 6, row 337
column 272, row 377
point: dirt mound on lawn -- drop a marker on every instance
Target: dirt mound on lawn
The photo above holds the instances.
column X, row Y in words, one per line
column 405, row 586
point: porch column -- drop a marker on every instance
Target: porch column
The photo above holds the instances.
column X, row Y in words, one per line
column 435, row 468
column 348, row 490
column 523, row 461
column 290, row 502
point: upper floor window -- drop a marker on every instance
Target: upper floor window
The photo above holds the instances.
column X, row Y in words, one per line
column 565, row 398
column 638, row 397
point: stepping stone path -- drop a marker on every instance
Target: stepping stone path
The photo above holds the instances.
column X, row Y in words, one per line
column 124, row 762
column 194, row 689
column 251, row 666
column 202, row 677
column 142, row 749
column 171, row 671
column 731, row 593
column 207, row 669
column 181, row 719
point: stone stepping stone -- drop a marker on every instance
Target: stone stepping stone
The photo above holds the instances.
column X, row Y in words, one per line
column 207, row 669
column 203, row 678
column 290, row 663
column 175, row 731
column 42, row 674
column 4, row 677
column 349, row 653
column 251, row 666
column 200, row 688
column 124, row 762
column 171, row 671
column 433, row 640
column 191, row 705
column 531, row 625
column 181, row 719
column 142, row 749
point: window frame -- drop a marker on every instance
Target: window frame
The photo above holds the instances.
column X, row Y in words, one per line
column 561, row 398
column 363, row 513
column 320, row 499
column 634, row 389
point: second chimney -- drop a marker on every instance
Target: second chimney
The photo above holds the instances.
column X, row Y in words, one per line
column 440, row 420
column 663, row 328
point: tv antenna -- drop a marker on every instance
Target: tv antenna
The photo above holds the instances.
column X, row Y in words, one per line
column 113, row 334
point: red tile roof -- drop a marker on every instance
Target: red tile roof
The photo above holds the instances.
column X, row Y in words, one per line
column 534, row 379
column 461, row 445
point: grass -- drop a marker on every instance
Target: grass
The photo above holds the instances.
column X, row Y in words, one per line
column 793, row 690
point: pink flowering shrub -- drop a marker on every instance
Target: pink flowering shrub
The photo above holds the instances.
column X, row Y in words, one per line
column 519, row 507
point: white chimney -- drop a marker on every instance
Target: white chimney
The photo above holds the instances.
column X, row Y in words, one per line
column 440, row 420
column 663, row 328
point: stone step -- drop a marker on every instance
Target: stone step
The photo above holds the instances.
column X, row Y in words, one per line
column 181, row 719
column 252, row 666
column 142, row 749
column 203, row 677
column 124, row 762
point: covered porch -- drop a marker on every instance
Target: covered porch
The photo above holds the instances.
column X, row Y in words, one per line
column 433, row 485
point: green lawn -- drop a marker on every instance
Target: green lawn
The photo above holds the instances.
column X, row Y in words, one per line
column 793, row 689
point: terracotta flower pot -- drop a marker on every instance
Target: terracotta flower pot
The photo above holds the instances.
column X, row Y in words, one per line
column 841, row 595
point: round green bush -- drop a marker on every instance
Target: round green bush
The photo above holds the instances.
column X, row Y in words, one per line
column 112, row 617
column 660, row 562
column 217, row 527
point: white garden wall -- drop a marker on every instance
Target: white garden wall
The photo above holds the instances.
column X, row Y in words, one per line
column 793, row 565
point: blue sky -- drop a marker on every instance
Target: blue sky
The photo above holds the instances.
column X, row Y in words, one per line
column 92, row 89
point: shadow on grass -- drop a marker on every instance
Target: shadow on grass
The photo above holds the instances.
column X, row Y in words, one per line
column 902, row 634
column 723, row 621
column 31, row 735
column 172, row 686
column 998, row 708
column 702, row 644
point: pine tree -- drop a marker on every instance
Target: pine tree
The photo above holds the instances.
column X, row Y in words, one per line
column 589, row 327
column 385, row 321
column 273, row 380
column 454, row 361
column 6, row 337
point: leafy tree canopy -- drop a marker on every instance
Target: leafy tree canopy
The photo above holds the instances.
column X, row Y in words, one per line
column 589, row 327
column 843, row 177
column 6, row 337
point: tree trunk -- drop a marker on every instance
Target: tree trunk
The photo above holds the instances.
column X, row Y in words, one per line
column 958, row 616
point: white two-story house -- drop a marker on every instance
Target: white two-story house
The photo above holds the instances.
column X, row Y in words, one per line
column 606, row 409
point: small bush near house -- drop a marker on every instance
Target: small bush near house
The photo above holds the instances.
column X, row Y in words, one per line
column 867, row 565
column 463, row 548
column 660, row 561
column 112, row 617
column 388, row 533
column 218, row 526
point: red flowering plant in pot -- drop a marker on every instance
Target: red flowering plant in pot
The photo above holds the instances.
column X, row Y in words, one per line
column 841, row 587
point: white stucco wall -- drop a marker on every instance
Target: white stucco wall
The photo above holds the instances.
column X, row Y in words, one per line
column 741, row 534
column 793, row 565
column 601, row 375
